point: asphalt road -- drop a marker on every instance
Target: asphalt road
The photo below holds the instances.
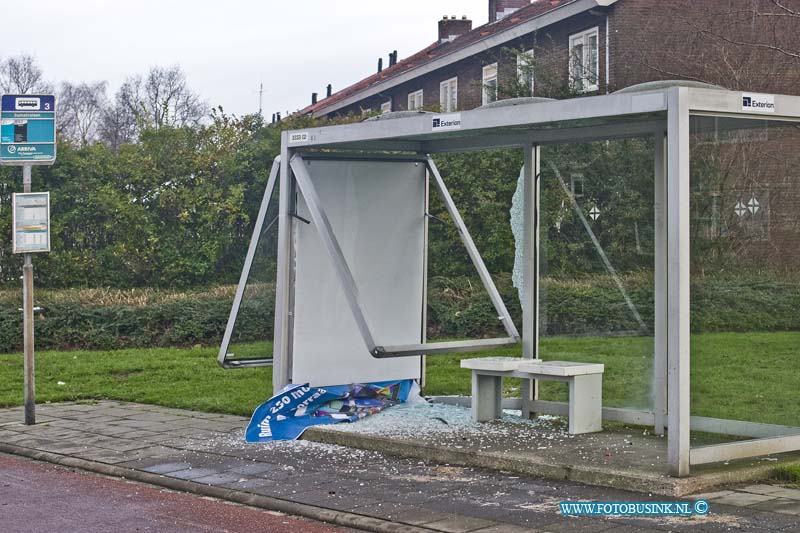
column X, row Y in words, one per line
column 40, row 497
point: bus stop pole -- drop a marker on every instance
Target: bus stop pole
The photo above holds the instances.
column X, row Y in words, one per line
column 27, row 321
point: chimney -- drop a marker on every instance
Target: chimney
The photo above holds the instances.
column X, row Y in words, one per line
column 451, row 28
column 500, row 9
column 330, row 91
column 380, row 64
column 313, row 98
column 393, row 58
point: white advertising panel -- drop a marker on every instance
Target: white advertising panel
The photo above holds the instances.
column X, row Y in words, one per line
column 377, row 212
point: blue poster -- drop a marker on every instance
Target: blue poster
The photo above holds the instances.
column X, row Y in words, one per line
column 286, row 415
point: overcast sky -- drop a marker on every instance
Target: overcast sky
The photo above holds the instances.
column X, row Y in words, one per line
column 227, row 48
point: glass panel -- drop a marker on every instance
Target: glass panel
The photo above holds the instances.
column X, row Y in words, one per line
column 745, row 284
column 596, row 267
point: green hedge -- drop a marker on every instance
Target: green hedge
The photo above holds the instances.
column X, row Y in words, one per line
column 180, row 323
column 458, row 307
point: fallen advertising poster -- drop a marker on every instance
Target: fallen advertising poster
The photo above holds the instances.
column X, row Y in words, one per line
column 296, row 407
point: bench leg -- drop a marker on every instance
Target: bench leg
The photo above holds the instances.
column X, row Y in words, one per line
column 586, row 404
column 487, row 397
column 530, row 393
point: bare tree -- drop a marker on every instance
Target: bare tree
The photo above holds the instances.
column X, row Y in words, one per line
column 162, row 98
column 117, row 125
column 81, row 110
column 21, row 75
column 738, row 44
column 778, row 22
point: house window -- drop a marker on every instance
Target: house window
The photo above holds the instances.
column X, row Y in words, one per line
column 415, row 100
column 386, row 107
column 489, row 83
column 448, row 95
column 525, row 70
column 584, row 61
column 577, row 182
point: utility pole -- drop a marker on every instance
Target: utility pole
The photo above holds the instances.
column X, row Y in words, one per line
column 27, row 322
column 260, row 97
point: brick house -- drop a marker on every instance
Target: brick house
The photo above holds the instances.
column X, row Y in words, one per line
column 554, row 48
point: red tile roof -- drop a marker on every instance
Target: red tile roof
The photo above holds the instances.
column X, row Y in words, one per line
column 437, row 50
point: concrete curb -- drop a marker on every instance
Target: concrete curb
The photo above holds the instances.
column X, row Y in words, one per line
column 321, row 514
column 604, row 477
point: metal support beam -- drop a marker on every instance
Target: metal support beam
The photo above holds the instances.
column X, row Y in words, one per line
column 423, row 361
column 222, row 358
column 678, row 269
column 660, row 323
column 545, row 136
column 331, row 244
column 742, row 449
column 281, row 348
column 530, row 271
column 436, row 348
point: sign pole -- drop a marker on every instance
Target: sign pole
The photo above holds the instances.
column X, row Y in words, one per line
column 28, row 137
column 27, row 322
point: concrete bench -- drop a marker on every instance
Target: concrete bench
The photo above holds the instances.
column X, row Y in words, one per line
column 585, row 387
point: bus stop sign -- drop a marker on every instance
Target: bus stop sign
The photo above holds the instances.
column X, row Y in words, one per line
column 28, row 129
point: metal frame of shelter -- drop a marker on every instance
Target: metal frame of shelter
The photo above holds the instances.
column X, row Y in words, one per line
column 663, row 114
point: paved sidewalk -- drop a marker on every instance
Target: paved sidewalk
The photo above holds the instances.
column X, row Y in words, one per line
column 205, row 453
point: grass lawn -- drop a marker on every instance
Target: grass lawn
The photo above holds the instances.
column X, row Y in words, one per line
column 744, row 376
column 789, row 474
column 187, row 378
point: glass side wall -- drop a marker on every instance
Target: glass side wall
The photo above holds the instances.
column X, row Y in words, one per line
column 745, row 277
column 597, row 262
column 253, row 330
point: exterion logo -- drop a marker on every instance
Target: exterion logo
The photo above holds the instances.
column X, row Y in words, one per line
column 761, row 103
column 447, row 122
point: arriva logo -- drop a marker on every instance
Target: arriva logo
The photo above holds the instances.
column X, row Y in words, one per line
column 760, row 103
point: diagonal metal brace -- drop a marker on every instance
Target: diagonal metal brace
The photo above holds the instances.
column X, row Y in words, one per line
column 223, row 358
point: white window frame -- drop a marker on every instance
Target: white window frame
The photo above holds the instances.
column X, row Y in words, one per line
column 489, row 84
column 525, row 70
column 386, row 107
column 583, row 82
column 448, row 95
column 415, row 100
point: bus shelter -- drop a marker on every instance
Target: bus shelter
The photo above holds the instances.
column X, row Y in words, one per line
column 715, row 228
